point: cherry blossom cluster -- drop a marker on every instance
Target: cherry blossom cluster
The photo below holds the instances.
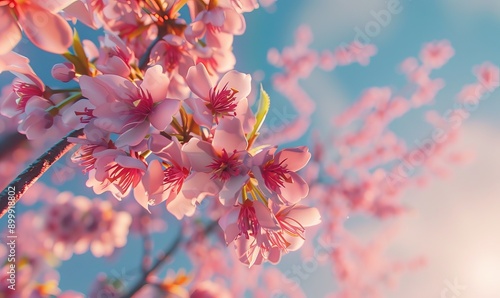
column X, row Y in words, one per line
column 164, row 116
column 35, row 275
column 373, row 167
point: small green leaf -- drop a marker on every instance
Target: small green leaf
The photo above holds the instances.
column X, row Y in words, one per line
column 264, row 104
column 78, row 49
column 79, row 67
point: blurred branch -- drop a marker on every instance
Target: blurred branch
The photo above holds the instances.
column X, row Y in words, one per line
column 10, row 142
column 147, row 248
column 28, row 177
column 162, row 258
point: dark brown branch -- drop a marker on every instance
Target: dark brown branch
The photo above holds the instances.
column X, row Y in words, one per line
column 28, row 177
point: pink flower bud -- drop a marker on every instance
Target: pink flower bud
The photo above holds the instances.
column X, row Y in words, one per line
column 63, row 72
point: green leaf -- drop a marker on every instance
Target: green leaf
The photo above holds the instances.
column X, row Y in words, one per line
column 264, row 104
column 79, row 67
column 78, row 49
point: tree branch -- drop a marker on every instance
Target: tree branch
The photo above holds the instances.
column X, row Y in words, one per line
column 143, row 62
column 28, row 177
column 166, row 254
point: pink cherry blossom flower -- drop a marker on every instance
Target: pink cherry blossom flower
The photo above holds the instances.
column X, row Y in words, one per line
column 129, row 109
column 104, row 229
column 222, row 165
column 488, row 76
column 264, row 234
column 39, row 21
column 216, row 60
column 276, row 173
column 216, row 100
column 75, row 224
column 96, row 140
column 19, row 66
column 116, row 171
column 159, row 184
column 25, row 86
column 244, row 224
column 114, row 56
column 436, row 54
column 63, row 72
column 15, row 103
column 293, row 220
column 218, row 25
column 172, row 53
column 38, row 121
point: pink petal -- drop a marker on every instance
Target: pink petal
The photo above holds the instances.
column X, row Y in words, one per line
column 199, row 81
column 119, row 87
column 8, row 107
column 216, row 17
column 10, row 33
column 79, row 11
column 295, row 191
column 232, row 189
column 102, row 89
column 219, row 39
column 296, row 158
column 53, row 6
column 230, row 218
column 198, row 185
column 231, row 232
column 46, row 30
column 274, row 255
column 90, row 49
column 70, row 118
column 261, row 181
column 156, row 83
column 263, row 156
column 239, row 81
column 169, row 150
column 141, row 196
column 153, row 178
column 245, row 114
column 130, row 162
column 229, row 135
column 195, row 31
column 162, row 113
column 200, row 154
column 265, row 216
column 19, row 66
column 201, row 114
column 295, row 242
column 134, row 135
column 234, row 22
column 307, row 216
column 181, row 206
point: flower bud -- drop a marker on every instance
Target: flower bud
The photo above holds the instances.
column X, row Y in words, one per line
column 63, row 72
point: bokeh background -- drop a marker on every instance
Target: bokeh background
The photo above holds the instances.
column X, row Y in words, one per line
column 454, row 221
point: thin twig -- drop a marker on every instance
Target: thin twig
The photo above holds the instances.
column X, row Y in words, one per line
column 143, row 62
column 28, row 177
column 147, row 248
column 166, row 254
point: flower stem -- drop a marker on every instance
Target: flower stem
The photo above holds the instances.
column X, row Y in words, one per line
column 28, row 177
